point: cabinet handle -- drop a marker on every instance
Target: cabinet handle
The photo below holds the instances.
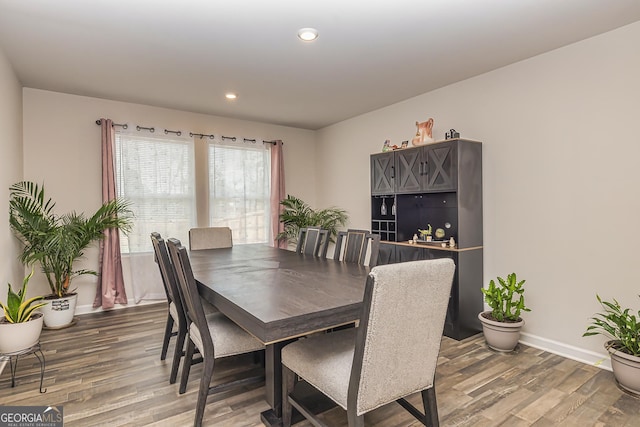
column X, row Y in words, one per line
column 420, row 169
column 393, row 171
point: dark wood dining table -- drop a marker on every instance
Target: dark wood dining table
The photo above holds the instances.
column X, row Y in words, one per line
column 278, row 296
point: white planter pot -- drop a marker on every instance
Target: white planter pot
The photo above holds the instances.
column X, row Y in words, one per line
column 59, row 312
column 15, row 337
column 626, row 369
column 500, row 336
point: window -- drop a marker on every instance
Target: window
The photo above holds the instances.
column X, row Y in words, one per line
column 239, row 189
column 157, row 175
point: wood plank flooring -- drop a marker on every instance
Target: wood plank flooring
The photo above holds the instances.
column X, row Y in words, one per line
column 106, row 371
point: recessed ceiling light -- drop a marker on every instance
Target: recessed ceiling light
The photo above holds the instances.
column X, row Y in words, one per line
column 230, row 95
column 307, row 34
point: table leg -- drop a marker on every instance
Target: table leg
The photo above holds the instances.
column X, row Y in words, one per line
column 273, row 383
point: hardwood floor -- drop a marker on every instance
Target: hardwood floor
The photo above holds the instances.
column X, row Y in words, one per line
column 106, row 371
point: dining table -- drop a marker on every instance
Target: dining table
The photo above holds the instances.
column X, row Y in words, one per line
column 278, row 296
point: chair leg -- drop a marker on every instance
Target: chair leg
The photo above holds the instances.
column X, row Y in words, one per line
column 205, row 383
column 353, row 419
column 167, row 336
column 430, row 407
column 288, row 383
column 186, row 366
column 177, row 355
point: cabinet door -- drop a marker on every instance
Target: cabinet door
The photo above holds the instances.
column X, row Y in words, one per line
column 436, row 254
column 386, row 254
column 409, row 167
column 441, row 166
column 407, row 253
column 382, row 173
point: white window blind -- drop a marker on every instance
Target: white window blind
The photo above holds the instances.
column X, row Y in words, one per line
column 239, row 188
column 157, row 175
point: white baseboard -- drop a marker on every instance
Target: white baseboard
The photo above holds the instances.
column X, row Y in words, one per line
column 599, row 360
column 85, row 309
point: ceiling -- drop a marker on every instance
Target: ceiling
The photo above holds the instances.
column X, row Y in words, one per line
column 187, row 54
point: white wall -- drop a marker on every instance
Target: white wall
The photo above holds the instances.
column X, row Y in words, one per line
column 62, row 149
column 560, row 171
column 561, row 175
column 11, row 270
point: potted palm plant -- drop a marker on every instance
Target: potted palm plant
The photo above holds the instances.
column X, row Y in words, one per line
column 501, row 325
column 623, row 328
column 298, row 214
column 20, row 326
column 57, row 241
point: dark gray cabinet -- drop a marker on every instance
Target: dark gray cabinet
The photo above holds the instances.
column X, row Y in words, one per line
column 383, row 217
column 465, row 301
column 408, row 164
column 432, row 167
column 386, row 254
column 440, row 167
column 383, row 173
column 438, row 184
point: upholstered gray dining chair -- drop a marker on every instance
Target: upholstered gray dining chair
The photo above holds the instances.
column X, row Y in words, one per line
column 352, row 245
column 176, row 314
column 214, row 335
column 210, row 238
column 391, row 355
column 313, row 241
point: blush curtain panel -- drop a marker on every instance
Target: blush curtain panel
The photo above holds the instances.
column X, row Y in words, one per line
column 278, row 193
column 110, row 289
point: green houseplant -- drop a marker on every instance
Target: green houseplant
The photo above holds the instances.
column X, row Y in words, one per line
column 297, row 214
column 57, row 241
column 622, row 327
column 21, row 325
column 501, row 325
column 17, row 310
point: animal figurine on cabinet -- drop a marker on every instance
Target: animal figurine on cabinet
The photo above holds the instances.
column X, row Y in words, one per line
column 424, row 133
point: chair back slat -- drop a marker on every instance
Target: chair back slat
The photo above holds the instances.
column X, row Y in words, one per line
column 400, row 331
column 323, row 243
column 193, row 302
column 313, row 241
column 353, row 245
column 302, row 235
column 168, row 274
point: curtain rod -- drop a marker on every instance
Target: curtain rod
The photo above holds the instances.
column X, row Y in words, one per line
column 123, row 125
column 191, row 134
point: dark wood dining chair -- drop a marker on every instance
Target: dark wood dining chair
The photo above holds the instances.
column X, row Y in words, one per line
column 210, row 238
column 352, row 245
column 313, row 241
column 391, row 355
column 214, row 335
column 175, row 314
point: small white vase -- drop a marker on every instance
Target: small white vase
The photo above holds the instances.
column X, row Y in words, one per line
column 59, row 312
column 15, row 337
